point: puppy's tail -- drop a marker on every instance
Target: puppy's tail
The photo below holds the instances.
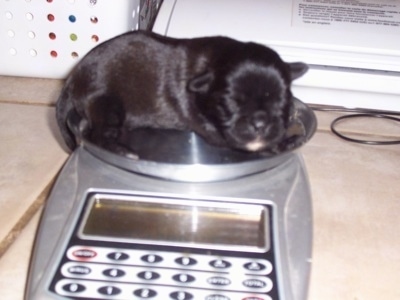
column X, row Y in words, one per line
column 64, row 107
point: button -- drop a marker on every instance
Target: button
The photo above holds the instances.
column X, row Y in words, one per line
column 220, row 264
column 84, row 254
column 73, row 288
column 217, row 297
column 148, row 275
column 79, row 270
column 254, row 283
column 151, row 258
column 145, row 293
column 186, row 261
column 109, row 290
column 114, row 273
column 183, row 278
column 218, row 281
column 118, row 256
column 256, row 266
column 181, row 296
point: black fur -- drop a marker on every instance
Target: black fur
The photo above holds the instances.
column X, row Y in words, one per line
column 231, row 93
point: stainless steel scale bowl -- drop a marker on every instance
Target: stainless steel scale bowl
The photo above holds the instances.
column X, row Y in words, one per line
column 184, row 156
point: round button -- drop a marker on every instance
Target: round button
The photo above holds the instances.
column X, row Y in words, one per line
column 151, row 258
column 217, row 297
column 220, row 264
column 79, row 270
column 73, row 288
column 148, row 275
column 114, row 273
column 186, row 261
column 218, row 281
column 181, row 295
column 145, row 293
column 258, row 267
column 183, row 278
column 84, row 254
column 254, row 283
column 109, row 290
column 118, row 256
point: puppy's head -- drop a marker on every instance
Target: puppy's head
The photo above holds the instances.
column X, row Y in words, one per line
column 248, row 99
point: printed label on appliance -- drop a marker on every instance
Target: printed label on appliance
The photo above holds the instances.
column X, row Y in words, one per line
column 377, row 15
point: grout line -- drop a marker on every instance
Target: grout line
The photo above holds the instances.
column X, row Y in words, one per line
column 27, row 102
column 24, row 220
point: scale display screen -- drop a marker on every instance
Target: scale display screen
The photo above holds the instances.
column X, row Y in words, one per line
column 177, row 222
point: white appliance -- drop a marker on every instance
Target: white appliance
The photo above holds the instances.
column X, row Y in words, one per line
column 352, row 47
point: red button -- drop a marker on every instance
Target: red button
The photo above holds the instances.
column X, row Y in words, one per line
column 84, row 254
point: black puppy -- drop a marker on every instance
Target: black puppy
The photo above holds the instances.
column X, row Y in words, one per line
column 231, row 93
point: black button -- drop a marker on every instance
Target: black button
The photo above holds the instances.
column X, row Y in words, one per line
column 109, row 290
column 183, row 278
column 181, row 296
column 186, row 261
column 218, row 281
column 73, row 287
column 151, row 258
column 145, row 293
column 220, row 264
column 79, row 270
column 114, row 272
column 254, row 266
column 148, row 275
column 117, row 256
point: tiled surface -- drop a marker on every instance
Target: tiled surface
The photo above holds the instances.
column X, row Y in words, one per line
column 14, row 263
column 30, row 156
column 29, row 90
column 355, row 196
column 356, row 219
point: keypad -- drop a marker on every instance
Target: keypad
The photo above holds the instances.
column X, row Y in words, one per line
column 100, row 273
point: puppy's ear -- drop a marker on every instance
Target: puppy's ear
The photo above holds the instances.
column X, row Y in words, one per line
column 201, row 83
column 297, row 69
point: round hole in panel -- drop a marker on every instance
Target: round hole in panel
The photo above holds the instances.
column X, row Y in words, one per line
column 74, row 55
column 9, row 15
column 50, row 17
column 33, row 52
column 92, row 2
column 95, row 38
column 72, row 18
column 12, row 51
column 31, row 34
column 73, row 37
column 29, row 16
column 49, row 1
column 52, row 36
column 53, row 53
column 94, row 19
column 10, row 33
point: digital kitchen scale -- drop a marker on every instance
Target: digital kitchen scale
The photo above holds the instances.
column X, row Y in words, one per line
column 198, row 223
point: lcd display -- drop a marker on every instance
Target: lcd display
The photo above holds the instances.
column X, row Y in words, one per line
column 177, row 221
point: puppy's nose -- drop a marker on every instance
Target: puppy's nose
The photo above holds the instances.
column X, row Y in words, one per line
column 259, row 120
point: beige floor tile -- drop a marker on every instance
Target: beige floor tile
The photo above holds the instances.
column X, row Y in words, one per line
column 29, row 90
column 356, row 219
column 15, row 263
column 30, row 157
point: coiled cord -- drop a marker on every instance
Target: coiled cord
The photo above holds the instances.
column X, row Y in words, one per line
column 359, row 113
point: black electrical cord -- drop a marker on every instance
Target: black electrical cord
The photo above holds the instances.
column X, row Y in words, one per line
column 359, row 113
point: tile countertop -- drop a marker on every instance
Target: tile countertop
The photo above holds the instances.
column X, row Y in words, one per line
column 356, row 196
